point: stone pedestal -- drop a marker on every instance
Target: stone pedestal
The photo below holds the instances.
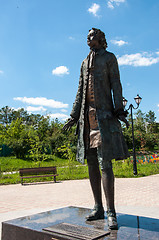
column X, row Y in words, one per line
column 31, row 227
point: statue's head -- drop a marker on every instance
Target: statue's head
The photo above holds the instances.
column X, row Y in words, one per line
column 96, row 39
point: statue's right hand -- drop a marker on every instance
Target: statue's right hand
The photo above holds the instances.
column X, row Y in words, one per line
column 69, row 124
column 123, row 119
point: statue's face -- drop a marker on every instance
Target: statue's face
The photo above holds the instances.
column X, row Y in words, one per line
column 92, row 39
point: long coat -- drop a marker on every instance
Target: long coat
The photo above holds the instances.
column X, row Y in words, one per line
column 108, row 102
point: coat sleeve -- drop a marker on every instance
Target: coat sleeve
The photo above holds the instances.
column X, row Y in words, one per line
column 75, row 113
column 116, row 85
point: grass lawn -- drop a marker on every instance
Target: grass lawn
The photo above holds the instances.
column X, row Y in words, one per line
column 10, row 164
column 68, row 171
column 124, row 169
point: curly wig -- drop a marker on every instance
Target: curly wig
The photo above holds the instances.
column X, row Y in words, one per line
column 101, row 37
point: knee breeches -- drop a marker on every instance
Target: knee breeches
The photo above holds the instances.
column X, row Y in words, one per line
column 95, row 158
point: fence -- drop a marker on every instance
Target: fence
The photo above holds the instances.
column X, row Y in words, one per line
column 5, row 151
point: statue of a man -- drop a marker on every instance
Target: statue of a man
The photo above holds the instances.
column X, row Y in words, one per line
column 96, row 110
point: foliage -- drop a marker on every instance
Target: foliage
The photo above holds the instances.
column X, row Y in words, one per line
column 37, row 151
column 146, row 131
column 35, row 136
column 56, row 136
column 139, row 123
column 16, row 137
column 69, row 154
column 152, row 141
column 38, row 140
column 150, row 117
column 6, row 114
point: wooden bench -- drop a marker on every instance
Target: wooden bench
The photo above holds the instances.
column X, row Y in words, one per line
column 37, row 172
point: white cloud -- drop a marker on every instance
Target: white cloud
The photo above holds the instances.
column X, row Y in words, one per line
column 41, row 101
column 1, row 72
column 94, row 9
column 36, row 109
column 138, row 59
column 63, row 110
column 112, row 3
column 119, row 42
column 16, row 109
column 61, row 70
column 61, row 116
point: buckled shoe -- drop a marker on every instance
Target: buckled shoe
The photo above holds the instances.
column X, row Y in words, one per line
column 97, row 213
column 112, row 220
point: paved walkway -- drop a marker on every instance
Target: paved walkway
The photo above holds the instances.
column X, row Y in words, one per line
column 137, row 196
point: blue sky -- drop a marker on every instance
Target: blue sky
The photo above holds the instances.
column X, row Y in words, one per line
column 43, row 43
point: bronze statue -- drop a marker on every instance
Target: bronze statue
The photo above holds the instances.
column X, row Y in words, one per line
column 96, row 110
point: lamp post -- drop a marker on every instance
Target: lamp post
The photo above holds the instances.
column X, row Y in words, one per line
column 131, row 107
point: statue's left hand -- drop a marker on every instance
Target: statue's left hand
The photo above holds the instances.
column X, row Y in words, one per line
column 123, row 119
column 69, row 124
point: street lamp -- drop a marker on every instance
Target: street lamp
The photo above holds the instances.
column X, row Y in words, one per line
column 137, row 100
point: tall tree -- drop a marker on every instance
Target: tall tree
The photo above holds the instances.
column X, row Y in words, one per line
column 150, row 121
column 20, row 113
column 17, row 137
column 6, row 115
column 150, row 117
column 139, row 123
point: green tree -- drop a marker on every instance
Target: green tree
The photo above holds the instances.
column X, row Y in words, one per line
column 56, row 137
column 146, row 131
column 37, row 150
column 150, row 121
column 150, row 117
column 20, row 113
column 2, row 133
column 34, row 120
column 151, row 141
column 16, row 137
column 6, row 115
column 43, row 128
column 139, row 122
column 67, row 153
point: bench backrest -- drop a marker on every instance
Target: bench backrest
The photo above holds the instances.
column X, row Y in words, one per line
column 37, row 171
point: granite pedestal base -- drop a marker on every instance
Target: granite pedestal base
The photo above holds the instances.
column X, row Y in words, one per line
column 31, row 227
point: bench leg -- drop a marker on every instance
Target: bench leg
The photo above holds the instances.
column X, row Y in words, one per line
column 21, row 181
column 55, row 179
